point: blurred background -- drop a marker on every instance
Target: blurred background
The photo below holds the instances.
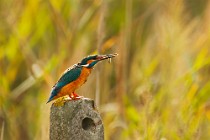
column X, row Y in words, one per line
column 157, row 88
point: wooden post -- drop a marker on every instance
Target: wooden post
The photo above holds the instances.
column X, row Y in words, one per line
column 76, row 120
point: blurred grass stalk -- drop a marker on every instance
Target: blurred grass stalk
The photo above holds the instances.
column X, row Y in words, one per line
column 100, row 39
column 157, row 88
column 2, row 131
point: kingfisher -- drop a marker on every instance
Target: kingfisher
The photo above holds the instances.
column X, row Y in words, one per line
column 75, row 76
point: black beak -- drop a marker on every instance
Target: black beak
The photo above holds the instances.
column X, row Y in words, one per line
column 107, row 56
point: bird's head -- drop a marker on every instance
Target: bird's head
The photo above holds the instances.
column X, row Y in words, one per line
column 91, row 60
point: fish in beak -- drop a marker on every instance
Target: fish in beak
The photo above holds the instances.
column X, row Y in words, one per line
column 107, row 56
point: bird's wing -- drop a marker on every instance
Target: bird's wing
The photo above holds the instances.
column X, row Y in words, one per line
column 70, row 75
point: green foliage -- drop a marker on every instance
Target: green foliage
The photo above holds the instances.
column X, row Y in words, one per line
column 157, row 88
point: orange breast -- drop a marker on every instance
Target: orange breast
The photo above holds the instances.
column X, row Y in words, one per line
column 71, row 87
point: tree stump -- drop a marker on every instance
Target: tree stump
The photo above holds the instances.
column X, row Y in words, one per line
column 76, row 120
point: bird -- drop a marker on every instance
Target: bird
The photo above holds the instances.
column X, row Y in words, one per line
column 75, row 76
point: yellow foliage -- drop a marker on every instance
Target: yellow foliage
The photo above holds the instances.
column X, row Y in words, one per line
column 158, row 87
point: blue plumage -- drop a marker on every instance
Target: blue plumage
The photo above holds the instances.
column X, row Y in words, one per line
column 69, row 75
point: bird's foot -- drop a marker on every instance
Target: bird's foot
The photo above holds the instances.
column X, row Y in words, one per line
column 74, row 96
column 61, row 101
column 77, row 98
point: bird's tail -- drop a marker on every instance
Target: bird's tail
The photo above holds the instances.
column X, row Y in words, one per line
column 51, row 97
